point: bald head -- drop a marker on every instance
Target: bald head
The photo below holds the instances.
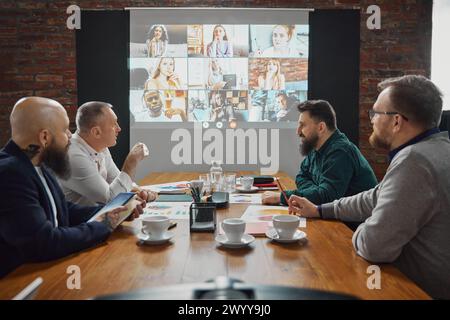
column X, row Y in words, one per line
column 31, row 115
column 40, row 127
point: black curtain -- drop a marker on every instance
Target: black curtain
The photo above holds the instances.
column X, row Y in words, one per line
column 102, row 71
column 334, row 65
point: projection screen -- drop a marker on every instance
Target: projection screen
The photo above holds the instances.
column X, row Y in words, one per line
column 228, row 67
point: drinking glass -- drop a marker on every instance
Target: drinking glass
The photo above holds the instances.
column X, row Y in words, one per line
column 230, row 182
column 206, row 183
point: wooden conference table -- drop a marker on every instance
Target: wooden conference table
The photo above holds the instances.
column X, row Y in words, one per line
column 327, row 262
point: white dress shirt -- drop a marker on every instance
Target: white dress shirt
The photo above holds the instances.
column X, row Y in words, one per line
column 95, row 177
column 49, row 194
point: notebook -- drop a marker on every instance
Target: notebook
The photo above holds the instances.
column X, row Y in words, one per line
column 174, row 198
column 265, row 185
column 179, row 187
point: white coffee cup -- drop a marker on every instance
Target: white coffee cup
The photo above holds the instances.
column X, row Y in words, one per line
column 234, row 228
column 246, row 183
column 286, row 225
column 155, row 226
column 145, row 150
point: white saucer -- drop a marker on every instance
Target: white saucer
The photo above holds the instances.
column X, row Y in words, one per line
column 245, row 241
column 272, row 234
column 251, row 190
column 148, row 240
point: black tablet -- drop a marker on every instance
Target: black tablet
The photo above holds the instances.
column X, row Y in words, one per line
column 120, row 200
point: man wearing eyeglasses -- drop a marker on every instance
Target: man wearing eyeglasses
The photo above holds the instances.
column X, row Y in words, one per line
column 407, row 215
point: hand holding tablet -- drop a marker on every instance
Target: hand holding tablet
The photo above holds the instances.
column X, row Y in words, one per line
column 117, row 210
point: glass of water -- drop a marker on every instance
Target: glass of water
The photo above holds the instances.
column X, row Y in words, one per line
column 218, row 183
column 206, row 183
column 230, row 182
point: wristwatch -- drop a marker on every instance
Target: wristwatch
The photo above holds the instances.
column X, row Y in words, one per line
column 319, row 208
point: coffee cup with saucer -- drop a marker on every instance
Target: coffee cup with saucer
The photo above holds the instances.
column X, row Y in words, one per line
column 272, row 234
column 285, row 229
column 234, row 236
column 155, row 230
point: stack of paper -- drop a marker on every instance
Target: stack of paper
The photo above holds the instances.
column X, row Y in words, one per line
column 178, row 187
column 174, row 198
column 246, row 198
column 259, row 218
column 263, row 213
column 173, row 210
column 266, row 213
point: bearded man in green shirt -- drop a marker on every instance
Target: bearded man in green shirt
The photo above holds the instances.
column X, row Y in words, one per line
column 333, row 167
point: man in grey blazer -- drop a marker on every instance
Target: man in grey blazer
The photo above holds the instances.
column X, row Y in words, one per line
column 407, row 215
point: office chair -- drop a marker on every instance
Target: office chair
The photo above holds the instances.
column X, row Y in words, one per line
column 226, row 288
column 445, row 121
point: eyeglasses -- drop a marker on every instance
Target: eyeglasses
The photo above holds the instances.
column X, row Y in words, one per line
column 372, row 114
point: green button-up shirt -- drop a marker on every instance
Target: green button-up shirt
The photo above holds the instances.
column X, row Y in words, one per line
column 336, row 170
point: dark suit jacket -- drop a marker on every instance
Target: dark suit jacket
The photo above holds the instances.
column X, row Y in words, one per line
column 27, row 230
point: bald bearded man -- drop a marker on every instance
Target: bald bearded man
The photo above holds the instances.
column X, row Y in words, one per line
column 36, row 222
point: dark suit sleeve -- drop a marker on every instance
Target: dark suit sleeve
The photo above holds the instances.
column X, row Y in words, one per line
column 79, row 214
column 24, row 225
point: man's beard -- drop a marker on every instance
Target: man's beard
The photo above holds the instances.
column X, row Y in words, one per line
column 377, row 142
column 308, row 145
column 57, row 159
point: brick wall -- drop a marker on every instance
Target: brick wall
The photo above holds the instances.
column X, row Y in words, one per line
column 37, row 51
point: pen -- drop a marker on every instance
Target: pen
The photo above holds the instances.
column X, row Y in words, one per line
column 173, row 224
column 282, row 191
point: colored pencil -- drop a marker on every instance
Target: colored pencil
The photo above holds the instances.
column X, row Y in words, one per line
column 282, row 190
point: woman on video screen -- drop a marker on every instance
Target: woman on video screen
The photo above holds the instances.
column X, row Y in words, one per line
column 215, row 76
column 157, row 41
column 272, row 79
column 220, row 46
column 281, row 37
column 287, row 110
column 164, row 76
column 220, row 110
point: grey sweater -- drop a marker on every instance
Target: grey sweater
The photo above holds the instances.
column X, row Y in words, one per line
column 407, row 215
